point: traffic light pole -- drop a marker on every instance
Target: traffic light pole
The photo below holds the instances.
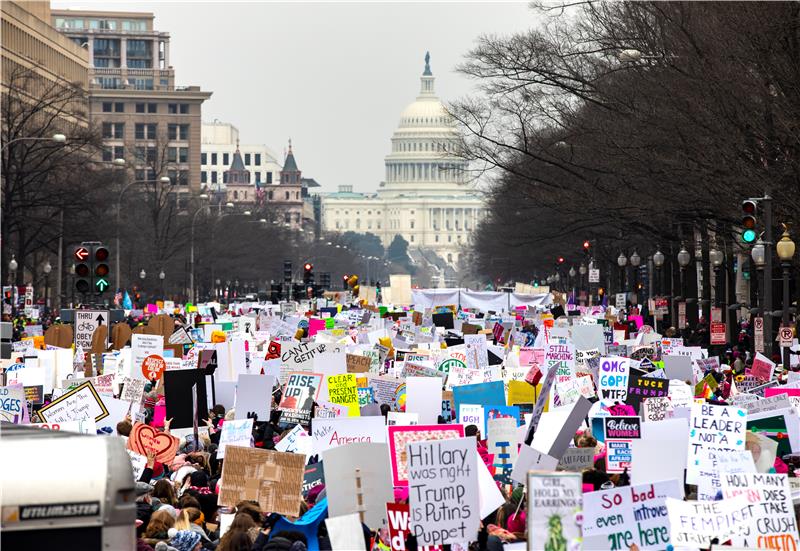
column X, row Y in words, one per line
column 768, row 246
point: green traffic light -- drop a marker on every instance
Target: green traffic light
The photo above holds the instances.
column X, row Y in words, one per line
column 101, row 284
column 748, row 236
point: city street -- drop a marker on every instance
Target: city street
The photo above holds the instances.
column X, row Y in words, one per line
column 467, row 276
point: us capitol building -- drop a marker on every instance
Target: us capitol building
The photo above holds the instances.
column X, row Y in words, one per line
column 427, row 197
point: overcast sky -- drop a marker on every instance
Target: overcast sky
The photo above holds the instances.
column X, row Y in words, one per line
column 332, row 76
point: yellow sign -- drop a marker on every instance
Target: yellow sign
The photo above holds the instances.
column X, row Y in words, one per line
column 343, row 390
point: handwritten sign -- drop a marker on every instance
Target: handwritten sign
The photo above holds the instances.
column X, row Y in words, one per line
column 613, row 377
column 656, row 409
column 79, row 403
column 400, row 436
column 576, row 460
column 443, row 491
column 343, row 390
column 633, row 515
column 713, row 427
column 235, row 432
column 560, row 357
column 13, row 407
column 340, row 431
column 694, row 524
column 144, row 438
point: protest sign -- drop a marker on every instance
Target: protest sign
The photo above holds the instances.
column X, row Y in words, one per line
column 401, row 418
column 313, row 476
column 296, row 440
column 254, row 396
column 329, row 433
column 694, row 524
column 34, row 394
column 357, row 480
column 619, row 454
column 713, row 427
column 79, row 403
column 143, row 346
column 613, row 378
column 358, row 363
column 679, row 367
column 299, row 394
column 576, row 460
column 656, row 409
column 529, row 459
column 641, row 387
column 132, row 389
column 344, row 532
column 13, row 408
column 235, row 432
column 272, row 479
column 472, row 414
column 557, row 428
column 179, row 404
column 399, row 436
column 82, row 426
column 423, row 396
column 560, row 357
column 443, row 491
column 502, row 443
column 633, row 515
column 762, row 368
column 719, row 462
column 343, row 390
column 138, row 464
column 144, row 438
column 773, row 524
column 557, row 500
column 485, row 394
column 399, row 528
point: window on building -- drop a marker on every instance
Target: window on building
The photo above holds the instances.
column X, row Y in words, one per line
column 287, row 195
column 225, row 158
column 270, row 196
column 107, row 130
column 203, row 177
column 203, row 158
column 183, row 155
column 258, row 177
column 412, row 238
column 183, row 108
column 140, row 108
column 172, row 154
column 214, row 177
column 183, row 177
column 358, row 223
column 379, row 224
column 337, row 225
column 213, row 158
column 178, row 132
column 172, row 108
column 247, row 158
column 269, row 177
column 107, row 105
column 412, row 224
column 369, row 224
column 436, row 238
column 152, row 107
column 449, row 238
column 119, row 107
column 131, row 25
column 258, row 159
column 287, row 218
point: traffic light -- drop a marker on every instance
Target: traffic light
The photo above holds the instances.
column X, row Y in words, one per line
column 83, row 269
column 308, row 274
column 287, row 272
column 586, row 246
column 101, row 269
column 749, row 208
column 560, row 260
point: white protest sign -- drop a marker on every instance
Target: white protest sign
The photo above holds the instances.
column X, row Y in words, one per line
column 296, row 440
column 632, row 515
column 401, row 418
column 773, row 525
column 81, row 402
column 613, row 374
column 329, row 433
column 576, row 459
column 472, row 414
column 424, row 397
column 254, row 395
column 694, row 524
column 720, row 462
column 656, row 409
column 235, row 432
column 443, row 491
column 713, row 427
column 531, row 460
column 142, row 347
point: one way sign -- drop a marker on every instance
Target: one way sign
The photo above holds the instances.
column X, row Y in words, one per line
column 86, row 321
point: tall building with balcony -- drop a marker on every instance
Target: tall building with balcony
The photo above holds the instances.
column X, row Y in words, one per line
column 145, row 118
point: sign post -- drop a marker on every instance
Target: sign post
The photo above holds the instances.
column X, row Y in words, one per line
column 758, row 333
column 786, row 335
column 86, row 322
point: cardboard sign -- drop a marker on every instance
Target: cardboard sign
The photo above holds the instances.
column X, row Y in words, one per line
column 235, row 432
column 343, row 390
column 357, row 363
column 399, row 436
column 401, row 418
column 79, row 403
column 84, row 426
column 443, row 491
column 557, row 500
column 713, row 427
column 272, row 479
column 329, row 433
column 632, row 515
column 144, row 438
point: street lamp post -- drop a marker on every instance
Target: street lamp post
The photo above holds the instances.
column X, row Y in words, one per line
column 759, row 255
column 658, row 261
column 717, row 257
column 47, row 269
column 622, row 261
column 161, row 276
column 572, row 274
column 636, row 260
column 785, row 249
column 684, row 257
column 162, row 180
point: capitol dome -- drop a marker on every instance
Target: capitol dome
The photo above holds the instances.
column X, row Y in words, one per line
column 427, row 110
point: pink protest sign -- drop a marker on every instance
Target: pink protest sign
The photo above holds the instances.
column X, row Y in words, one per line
column 315, row 325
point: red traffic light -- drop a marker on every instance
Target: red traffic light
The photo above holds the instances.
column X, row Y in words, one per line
column 586, row 245
column 308, row 267
column 82, row 270
column 749, row 207
column 101, row 254
column 560, row 259
column 81, row 254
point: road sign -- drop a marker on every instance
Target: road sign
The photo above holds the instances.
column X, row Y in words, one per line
column 718, row 331
column 786, row 336
column 620, row 300
column 758, row 333
column 716, row 314
column 28, row 296
column 594, row 275
column 681, row 315
column 86, row 321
